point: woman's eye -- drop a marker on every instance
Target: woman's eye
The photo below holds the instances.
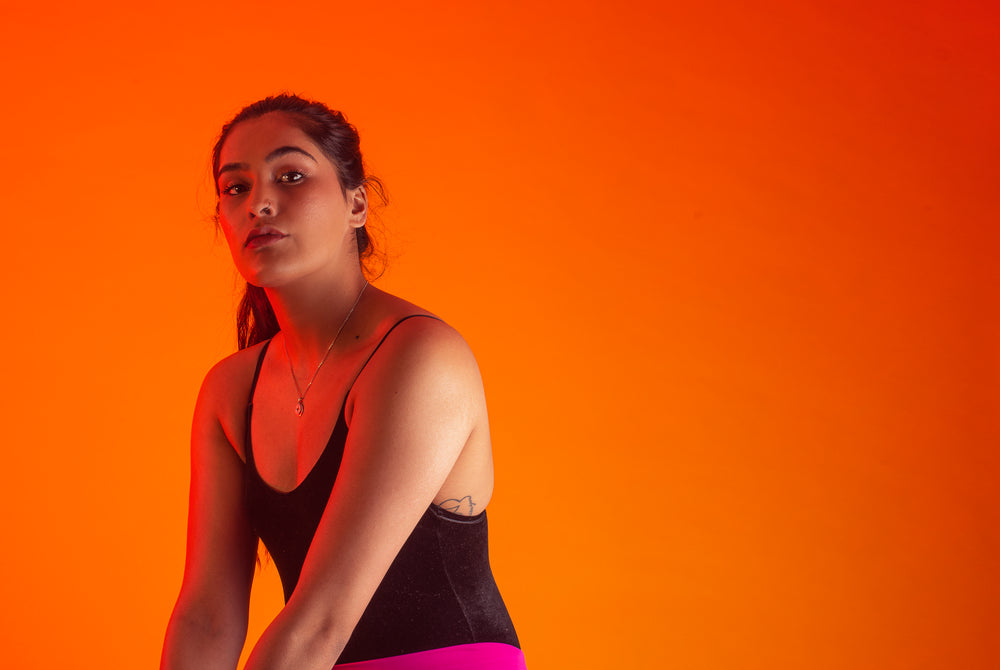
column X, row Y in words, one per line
column 233, row 189
column 291, row 177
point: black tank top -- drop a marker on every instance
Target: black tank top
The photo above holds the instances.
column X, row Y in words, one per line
column 439, row 590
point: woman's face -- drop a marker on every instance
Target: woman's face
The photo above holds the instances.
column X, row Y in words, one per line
column 281, row 206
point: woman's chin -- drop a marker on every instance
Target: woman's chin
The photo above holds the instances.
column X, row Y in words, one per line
column 266, row 277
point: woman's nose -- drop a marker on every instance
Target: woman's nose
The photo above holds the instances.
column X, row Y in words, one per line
column 263, row 205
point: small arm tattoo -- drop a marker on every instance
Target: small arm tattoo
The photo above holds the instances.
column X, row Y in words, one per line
column 459, row 505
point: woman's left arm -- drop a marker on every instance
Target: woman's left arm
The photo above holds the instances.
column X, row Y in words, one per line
column 414, row 407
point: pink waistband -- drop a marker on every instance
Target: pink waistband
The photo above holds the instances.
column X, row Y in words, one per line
column 477, row 656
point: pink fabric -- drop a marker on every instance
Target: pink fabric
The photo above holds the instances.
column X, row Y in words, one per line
column 478, row 656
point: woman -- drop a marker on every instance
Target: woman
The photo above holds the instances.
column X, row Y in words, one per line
column 349, row 433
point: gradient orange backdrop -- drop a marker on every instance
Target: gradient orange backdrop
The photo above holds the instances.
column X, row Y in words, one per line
column 730, row 274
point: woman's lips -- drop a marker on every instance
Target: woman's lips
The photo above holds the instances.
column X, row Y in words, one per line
column 264, row 239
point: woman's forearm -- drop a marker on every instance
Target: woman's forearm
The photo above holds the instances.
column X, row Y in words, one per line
column 296, row 645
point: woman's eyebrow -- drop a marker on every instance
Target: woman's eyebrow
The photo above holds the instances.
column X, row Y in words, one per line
column 277, row 153
column 233, row 166
column 281, row 151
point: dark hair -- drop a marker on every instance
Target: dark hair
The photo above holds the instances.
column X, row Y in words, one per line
column 339, row 141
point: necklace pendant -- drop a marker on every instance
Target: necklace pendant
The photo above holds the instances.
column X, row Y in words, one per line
column 300, row 408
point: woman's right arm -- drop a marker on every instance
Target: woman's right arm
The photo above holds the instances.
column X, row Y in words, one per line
column 209, row 623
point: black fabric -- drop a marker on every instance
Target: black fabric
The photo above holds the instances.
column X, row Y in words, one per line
column 439, row 590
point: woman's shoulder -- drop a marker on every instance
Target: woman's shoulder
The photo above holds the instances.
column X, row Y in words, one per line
column 412, row 346
column 401, row 328
column 225, row 393
column 234, row 372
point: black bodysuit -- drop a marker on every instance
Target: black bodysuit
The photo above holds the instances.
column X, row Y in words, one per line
column 439, row 590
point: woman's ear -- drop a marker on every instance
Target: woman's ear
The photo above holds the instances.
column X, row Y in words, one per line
column 358, row 200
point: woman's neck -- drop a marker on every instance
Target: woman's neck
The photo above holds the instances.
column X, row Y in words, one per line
column 311, row 314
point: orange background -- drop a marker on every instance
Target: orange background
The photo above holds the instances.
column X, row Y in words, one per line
column 730, row 275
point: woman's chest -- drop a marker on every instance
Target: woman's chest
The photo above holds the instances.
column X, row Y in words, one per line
column 290, row 434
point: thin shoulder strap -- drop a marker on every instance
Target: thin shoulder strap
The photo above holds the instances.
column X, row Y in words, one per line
column 256, row 372
column 247, row 446
column 377, row 346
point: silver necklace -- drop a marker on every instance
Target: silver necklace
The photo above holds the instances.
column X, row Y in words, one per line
column 300, row 406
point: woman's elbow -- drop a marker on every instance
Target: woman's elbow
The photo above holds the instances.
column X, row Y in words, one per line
column 204, row 639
